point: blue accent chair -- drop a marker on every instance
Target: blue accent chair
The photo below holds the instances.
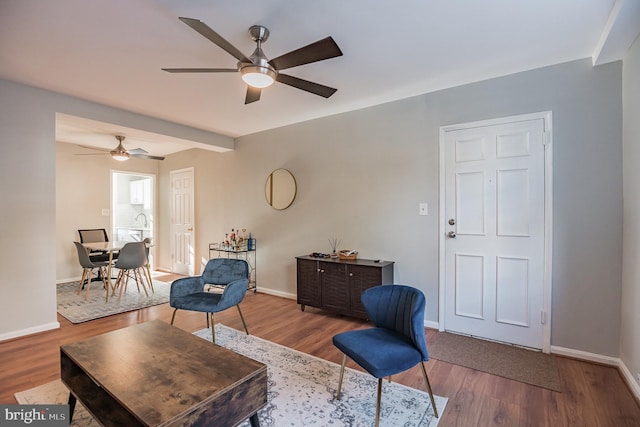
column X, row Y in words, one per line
column 232, row 279
column 395, row 343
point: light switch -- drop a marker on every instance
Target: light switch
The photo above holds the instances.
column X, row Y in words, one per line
column 424, row 209
column 105, row 212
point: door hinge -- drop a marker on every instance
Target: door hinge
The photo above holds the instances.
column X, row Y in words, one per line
column 543, row 317
column 546, row 138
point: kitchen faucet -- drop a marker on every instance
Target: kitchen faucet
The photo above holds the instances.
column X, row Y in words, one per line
column 146, row 224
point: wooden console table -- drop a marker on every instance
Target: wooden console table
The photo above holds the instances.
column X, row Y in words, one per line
column 154, row 374
column 336, row 285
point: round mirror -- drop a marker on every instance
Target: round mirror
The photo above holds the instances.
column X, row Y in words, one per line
column 280, row 189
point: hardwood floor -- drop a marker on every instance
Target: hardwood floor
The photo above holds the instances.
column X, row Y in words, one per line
column 592, row 395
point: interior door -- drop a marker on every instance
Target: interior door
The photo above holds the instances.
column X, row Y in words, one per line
column 494, row 228
column 182, row 218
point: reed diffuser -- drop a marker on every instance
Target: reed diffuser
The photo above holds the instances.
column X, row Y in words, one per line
column 334, row 242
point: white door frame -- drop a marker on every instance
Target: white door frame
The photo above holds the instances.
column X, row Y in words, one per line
column 154, row 193
column 548, row 215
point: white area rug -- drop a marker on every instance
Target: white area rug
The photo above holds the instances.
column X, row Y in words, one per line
column 301, row 390
column 76, row 309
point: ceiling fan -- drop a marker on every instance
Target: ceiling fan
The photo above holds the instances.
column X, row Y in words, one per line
column 260, row 72
column 121, row 154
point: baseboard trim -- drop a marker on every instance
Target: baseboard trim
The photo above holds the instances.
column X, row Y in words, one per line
column 431, row 324
column 584, row 355
column 630, row 380
column 29, row 331
column 604, row 360
column 70, row 279
column 281, row 294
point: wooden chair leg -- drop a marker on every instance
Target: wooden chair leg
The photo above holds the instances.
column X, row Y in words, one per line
column 84, row 274
column 138, row 276
column 88, row 285
column 116, row 283
column 426, row 380
column 115, row 286
column 147, row 270
column 379, row 399
column 174, row 316
column 344, row 361
column 124, row 275
column 242, row 318
column 103, row 273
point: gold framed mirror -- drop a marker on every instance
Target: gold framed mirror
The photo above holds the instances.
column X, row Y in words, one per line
column 280, row 189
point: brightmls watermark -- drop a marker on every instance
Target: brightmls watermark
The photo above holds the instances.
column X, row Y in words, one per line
column 34, row 415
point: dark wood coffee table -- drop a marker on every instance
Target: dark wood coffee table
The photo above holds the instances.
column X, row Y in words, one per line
column 153, row 374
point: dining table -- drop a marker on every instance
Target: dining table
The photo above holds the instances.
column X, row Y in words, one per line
column 110, row 248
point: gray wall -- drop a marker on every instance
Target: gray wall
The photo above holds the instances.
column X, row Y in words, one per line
column 361, row 176
column 27, row 216
column 630, row 329
column 28, row 191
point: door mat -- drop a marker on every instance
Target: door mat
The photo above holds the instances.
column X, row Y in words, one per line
column 515, row 363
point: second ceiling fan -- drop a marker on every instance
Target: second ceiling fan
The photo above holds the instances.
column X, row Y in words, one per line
column 257, row 70
column 120, row 153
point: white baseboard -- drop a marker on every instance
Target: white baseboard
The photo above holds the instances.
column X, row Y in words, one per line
column 29, row 331
column 605, row 360
column 631, row 381
column 584, row 355
column 281, row 294
column 431, row 324
column 70, row 279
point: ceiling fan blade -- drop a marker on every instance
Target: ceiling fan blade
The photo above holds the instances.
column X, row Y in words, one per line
column 214, row 37
column 318, row 51
column 145, row 156
column 306, row 85
column 253, row 94
column 106, row 150
column 200, row 70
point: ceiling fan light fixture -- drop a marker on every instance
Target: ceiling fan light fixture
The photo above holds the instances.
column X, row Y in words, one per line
column 258, row 76
column 120, row 156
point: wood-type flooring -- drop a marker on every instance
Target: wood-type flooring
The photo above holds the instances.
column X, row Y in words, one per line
column 592, row 395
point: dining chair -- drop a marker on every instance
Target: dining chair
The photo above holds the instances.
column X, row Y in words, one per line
column 87, row 269
column 395, row 343
column 222, row 285
column 131, row 263
column 92, row 235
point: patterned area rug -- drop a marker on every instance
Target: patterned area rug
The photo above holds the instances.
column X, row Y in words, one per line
column 301, row 390
column 76, row 309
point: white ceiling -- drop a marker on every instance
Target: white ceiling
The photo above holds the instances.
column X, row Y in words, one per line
column 112, row 52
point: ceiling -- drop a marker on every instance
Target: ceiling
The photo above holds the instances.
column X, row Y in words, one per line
column 112, row 52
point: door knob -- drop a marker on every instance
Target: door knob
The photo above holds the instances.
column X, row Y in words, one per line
column 190, row 229
column 452, row 221
column 451, row 234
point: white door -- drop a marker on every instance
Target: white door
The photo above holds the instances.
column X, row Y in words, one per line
column 494, row 231
column 182, row 239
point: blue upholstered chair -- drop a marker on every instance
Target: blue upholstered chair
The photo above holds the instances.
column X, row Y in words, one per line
column 222, row 285
column 397, row 341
